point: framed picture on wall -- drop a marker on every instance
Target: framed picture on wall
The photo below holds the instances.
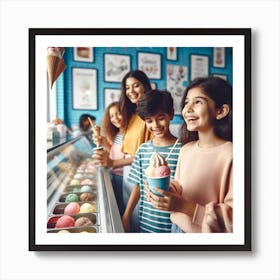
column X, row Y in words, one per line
column 176, row 78
column 115, row 67
column 84, row 54
column 150, row 63
column 199, row 66
column 84, row 82
column 111, row 95
column 105, row 228
column 171, row 53
column 219, row 57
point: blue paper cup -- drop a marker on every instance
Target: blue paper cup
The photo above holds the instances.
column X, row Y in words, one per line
column 161, row 183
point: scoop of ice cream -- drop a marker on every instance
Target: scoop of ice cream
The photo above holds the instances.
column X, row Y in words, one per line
column 72, row 208
column 87, row 208
column 157, row 160
column 150, row 171
column 90, row 169
column 64, row 231
column 87, row 182
column 162, row 171
column 87, row 196
column 78, row 176
column 65, row 221
column 74, row 182
column 85, row 189
column 71, row 197
column 83, row 221
column 158, row 166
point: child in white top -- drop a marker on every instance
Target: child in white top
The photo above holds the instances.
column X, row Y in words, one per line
column 113, row 133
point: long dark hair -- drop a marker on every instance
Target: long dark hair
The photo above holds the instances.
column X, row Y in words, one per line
column 127, row 108
column 220, row 92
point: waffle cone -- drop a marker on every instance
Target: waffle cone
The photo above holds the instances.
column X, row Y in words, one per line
column 56, row 66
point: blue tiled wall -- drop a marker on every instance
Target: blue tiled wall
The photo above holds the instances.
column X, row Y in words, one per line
column 64, row 83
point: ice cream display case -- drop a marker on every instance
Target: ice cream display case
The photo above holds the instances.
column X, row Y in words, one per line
column 80, row 197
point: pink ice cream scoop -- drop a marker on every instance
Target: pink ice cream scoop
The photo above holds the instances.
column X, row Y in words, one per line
column 162, row 171
column 65, row 221
column 158, row 166
column 87, row 182
column 72, row 208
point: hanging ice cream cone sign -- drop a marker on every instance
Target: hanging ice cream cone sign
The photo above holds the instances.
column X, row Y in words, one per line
column 55, row 63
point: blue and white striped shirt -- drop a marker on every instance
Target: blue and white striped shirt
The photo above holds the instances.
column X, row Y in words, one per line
column 150, row 218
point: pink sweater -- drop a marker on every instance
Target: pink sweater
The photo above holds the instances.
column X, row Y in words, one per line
column 205, row 175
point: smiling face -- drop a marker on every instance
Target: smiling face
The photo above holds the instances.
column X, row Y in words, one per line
column 199, row 111
column 158, row 124
column 115, row 116
column 134, row 89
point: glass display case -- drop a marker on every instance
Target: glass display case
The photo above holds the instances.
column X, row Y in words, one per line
column 80, row 197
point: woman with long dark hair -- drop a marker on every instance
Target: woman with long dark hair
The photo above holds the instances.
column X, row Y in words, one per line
column 134, row 84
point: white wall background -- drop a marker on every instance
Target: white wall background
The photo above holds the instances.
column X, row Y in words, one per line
column 17, row 262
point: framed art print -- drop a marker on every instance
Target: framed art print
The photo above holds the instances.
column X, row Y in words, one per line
column 176, row 78
column 116, row 66
column 199, row 66
column 84, row 88
column 171, row 53
column 219, row 57
column 111, row 95
column 57, row 203
column 150, row 64
column 84, row 54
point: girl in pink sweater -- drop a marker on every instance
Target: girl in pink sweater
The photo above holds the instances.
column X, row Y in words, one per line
column 201, row 195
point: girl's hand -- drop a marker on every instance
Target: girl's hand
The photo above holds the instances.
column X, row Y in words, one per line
column 175, row 187
column 101, row 141
column 101, row 158
column 98, row 140
column 169, row 201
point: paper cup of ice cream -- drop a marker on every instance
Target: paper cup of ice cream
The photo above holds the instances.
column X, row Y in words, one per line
column 159, row 182
column 158, row 173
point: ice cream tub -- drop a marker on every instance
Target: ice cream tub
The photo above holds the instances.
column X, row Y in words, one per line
column 80, row 188
column 77, row 197
column 69, row 221
column 92, row 229
column 158, row 173
column 73, row 208
column 159, row 182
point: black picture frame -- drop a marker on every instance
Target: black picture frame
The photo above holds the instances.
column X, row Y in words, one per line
column 150, row 63
column 111, row 95
column 84, row 88
column 83, row 54
column 36, row 242
column 219, row 57
column 199, row 66
column 172, row 53
column 115, row 66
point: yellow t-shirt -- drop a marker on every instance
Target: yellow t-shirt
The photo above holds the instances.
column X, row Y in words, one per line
column 135, row 135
